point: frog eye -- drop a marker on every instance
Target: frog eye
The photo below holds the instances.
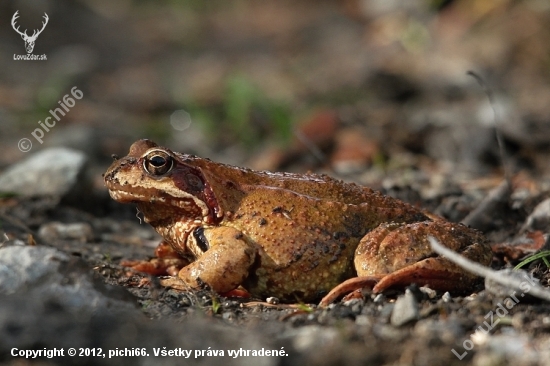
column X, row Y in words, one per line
column 158, row 162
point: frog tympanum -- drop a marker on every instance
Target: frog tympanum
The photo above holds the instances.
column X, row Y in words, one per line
column 292, row 236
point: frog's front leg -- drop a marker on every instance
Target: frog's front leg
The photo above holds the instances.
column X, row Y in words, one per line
column 166, row 262
column 396, row 255
column 224, row 266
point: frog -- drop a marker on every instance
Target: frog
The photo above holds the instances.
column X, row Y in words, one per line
column 291, row 236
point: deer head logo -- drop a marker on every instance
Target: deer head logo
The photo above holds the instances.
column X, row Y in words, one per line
column 29, row 40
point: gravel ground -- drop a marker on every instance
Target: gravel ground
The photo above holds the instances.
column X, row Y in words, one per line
column 63, row 287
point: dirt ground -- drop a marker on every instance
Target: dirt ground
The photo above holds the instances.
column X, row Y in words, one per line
column 366, row 91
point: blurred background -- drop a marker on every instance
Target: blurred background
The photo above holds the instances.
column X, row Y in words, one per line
column 368, row 90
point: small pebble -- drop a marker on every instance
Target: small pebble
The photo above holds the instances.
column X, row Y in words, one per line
column 355, row 305
column 23, row 266
column 379, row 298
column 311, row 337
column 405, row 309
column 363, row 320
column 428, row 292
column 447, row 297
column 52, row 171
column 80, row 231
column 539, row 219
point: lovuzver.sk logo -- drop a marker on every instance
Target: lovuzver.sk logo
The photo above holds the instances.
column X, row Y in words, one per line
column 29, row 40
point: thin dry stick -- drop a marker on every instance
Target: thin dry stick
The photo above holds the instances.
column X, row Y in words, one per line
column 478, row 269
column 487, row 205
column 496, row 121
column 497, row 195
column 315, row 151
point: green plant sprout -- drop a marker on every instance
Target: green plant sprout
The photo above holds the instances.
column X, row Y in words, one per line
column 542, row 255
column 304, row 307
column 216, row 305
column 245, row 114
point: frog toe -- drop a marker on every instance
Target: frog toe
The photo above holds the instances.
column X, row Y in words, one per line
column 349, row 286
column 437, row 273
column 156, row 266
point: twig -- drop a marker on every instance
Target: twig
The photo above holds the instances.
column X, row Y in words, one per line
column 496, row 120
column 313, row 149
column 478, row 269
column 487, row 205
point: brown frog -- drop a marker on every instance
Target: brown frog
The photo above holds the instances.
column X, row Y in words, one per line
column 292, row 236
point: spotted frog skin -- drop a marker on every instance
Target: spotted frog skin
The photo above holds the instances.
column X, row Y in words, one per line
column 292, row 236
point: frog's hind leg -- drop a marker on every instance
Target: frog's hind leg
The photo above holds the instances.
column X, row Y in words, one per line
column 403, row 254
column 400, row 254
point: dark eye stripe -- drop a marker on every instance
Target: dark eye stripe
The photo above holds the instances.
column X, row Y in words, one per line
column 202, row 242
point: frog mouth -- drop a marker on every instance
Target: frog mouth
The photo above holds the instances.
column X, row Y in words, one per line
column 153, row 200
column 123, row 196
column 162, row 192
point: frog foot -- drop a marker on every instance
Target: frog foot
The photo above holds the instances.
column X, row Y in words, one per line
column 167, row 262
column 436, row 273
column 156, row 266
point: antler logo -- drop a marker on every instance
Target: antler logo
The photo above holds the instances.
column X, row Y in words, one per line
column 29, row 40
